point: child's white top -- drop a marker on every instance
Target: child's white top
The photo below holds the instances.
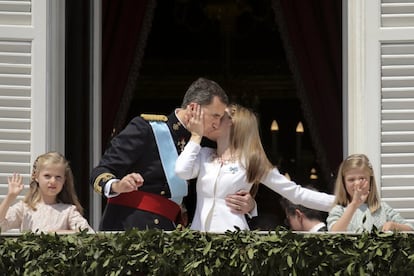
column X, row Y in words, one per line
column 46, row 218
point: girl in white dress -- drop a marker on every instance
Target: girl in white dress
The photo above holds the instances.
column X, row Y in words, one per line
column 358, row 205
column 239, row 162
column 51, row 204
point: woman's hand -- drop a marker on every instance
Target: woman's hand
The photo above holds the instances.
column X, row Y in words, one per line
column 196, row 120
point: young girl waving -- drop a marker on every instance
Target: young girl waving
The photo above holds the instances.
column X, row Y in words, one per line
column 358, row 206
column 51, row 205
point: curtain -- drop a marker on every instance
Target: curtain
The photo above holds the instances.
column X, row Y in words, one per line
column 125, row 28
column 312, row 33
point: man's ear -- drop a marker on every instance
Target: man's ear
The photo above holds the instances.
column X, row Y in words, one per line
column 187, row 112
column 192, row 106
column 298, row 213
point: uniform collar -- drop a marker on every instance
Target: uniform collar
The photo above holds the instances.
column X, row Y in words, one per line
column 180, row 134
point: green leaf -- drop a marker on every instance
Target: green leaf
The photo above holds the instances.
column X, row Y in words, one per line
column 350, row 268
column 289, row 261
column 378, row 252
column 250, row 253
column 207, row 248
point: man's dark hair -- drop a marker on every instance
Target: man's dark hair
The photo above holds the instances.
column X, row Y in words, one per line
column 290, row 209
column 202, row 91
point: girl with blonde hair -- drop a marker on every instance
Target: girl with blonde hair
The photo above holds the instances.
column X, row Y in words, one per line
column 51, row 204
column 238, row 163
column 358, row 205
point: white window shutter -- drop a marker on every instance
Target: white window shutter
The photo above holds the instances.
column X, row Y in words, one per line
column 31, row 84
column 397, row 13
column 397, row 105
column 379, row 94
column 15, row 12
column 16, row 90
column 397, row 126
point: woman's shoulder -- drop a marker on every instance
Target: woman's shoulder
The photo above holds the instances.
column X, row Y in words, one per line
column 208, row 150
column 208, row 153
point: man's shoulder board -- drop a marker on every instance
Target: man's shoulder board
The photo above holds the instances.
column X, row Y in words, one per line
column 154, row 117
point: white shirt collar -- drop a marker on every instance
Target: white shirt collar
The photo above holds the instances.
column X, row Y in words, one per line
column 316, row 227
column 178, row 118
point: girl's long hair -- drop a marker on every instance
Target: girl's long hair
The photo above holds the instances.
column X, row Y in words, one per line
column 68, row 193
column 245, row 140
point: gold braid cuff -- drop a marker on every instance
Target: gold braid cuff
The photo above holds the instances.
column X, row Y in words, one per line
column 154, row 117
column 102, row 177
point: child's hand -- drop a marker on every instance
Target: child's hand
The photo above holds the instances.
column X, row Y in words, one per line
column 361, row 191
column 389, row 226
column 394, row 226
column 15, row 184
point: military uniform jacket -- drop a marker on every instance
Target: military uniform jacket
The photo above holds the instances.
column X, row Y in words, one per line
column 134, row 149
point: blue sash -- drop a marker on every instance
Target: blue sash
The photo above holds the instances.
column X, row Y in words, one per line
column 168, row 154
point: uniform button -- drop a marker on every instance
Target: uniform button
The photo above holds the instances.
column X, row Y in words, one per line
column 156, row 221
column 162, row 193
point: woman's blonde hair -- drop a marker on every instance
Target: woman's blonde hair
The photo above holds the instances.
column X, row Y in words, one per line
column 67, row 195
column 361, row 162
column 245, row 140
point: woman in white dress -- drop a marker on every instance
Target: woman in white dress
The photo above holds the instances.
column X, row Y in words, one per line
column 239, row 162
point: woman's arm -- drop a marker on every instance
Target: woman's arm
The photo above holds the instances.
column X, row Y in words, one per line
column 296, row 193
column 187, row 166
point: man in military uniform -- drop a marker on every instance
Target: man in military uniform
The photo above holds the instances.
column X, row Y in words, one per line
column 133, row 172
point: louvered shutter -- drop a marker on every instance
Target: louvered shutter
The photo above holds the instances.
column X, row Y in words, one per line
column 397, row 106
column 379, row 95
column 380, row 82
column 397, row 126
column 397, row 13
column 15, row 12
column 15, row 91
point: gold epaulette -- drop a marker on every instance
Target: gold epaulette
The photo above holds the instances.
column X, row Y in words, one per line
column 154, row 117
